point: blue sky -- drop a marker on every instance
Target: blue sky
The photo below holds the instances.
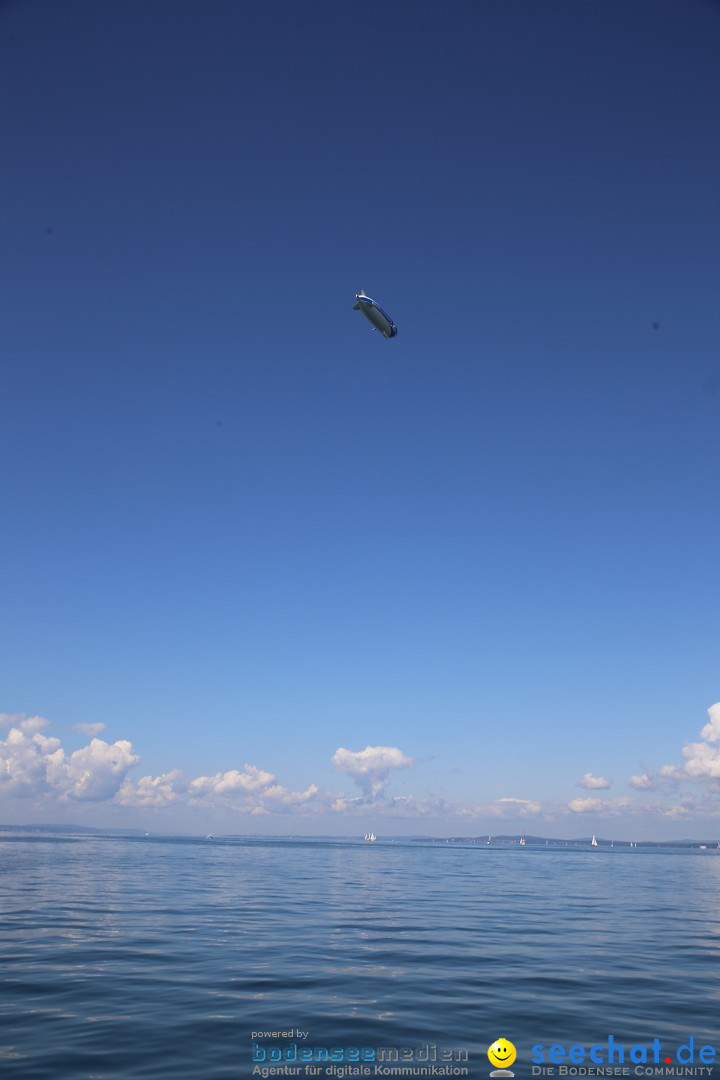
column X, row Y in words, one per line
column 310, row 580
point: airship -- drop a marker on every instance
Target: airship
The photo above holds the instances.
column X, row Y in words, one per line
column 375, row 314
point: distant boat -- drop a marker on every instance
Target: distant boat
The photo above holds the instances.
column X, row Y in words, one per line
column 370, row 837
column 209, row 836
column 593, row 842
column 489, row 840
column 522, row 841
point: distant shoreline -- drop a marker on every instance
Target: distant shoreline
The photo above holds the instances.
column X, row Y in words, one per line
column 509, row 840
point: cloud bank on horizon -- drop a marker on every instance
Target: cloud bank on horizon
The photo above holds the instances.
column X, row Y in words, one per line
column 35, row 766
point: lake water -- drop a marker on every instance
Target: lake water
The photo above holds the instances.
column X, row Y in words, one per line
column 125, row 958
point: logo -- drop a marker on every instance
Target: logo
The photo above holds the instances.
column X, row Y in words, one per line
column 501, row 1054
column 614, row 1059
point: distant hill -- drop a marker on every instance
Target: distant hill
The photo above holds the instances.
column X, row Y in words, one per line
column 82, row 829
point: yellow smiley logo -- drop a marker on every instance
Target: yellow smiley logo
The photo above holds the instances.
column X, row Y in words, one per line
column 502, row 1053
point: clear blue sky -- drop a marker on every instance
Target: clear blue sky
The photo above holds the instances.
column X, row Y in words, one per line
column 243, row 532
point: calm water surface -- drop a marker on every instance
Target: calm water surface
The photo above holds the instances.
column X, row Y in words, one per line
column 157, row 958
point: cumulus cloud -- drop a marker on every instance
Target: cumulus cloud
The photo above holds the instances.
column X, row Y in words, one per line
column 511, row 807
column 702, row 762
column 23, row 722
column 233, row 782
column 702, row 759
column 8, row 718
column 31, row 724
column 293, row 798
column 645, row 782
column 254, row 791
column 152, row 791
column 678, row 810
column 508, row 808
column 584, row 806
column 711, row 731
column 599, row 806
column 593, row 782
column 370, row 768
column 88, row 729
column 96, row 771
column 34, row 764
column 29, row 763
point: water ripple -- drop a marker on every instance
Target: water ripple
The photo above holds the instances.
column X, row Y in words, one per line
column 156, row 959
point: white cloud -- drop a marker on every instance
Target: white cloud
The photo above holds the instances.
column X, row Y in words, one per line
column 293, row 798
column 31, row 724
column 8, row 718
column 584, row 806
column 370, row 768
column 232, row 782
column 702, row 760
column 96, row 771
column 599, row 806
column 593, row 782
column 675, row 812
column 29, row 762
column 23, row 722
column 88, row 729
column 254, row 791
column 508, row 806
column 152, row 791
column 711, row 731
column 645, row 782
column 33, row 764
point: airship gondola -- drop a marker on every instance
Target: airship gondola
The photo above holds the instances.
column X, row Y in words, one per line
column 374, row 314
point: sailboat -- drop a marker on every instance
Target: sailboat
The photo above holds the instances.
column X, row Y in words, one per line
column 522, row 841
column 593, row 842
column 371, row 837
